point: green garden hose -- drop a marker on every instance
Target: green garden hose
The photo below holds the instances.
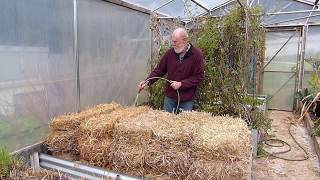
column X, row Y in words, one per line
column 147, row 80
column 281, row 143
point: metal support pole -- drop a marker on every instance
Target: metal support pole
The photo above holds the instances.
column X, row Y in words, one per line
column 290, row 25
column 222, row 5
column 304, row 17
column 296, row 84
column 199, row 3
column 76, row 54
column 293, row 12
column 301, row 59
column 251, row 3
column 168, row 2
column 300, row 70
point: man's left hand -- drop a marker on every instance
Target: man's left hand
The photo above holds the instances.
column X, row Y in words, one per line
column 175, row 85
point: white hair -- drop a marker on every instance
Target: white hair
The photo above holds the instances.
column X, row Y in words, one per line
column 182, row 33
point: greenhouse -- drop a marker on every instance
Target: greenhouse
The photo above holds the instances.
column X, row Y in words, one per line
column 84, row 86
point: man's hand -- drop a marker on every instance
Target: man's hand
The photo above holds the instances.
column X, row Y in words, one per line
column 141, row 85
column 175, row 85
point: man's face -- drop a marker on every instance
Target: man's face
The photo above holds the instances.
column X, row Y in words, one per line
column 178, row 44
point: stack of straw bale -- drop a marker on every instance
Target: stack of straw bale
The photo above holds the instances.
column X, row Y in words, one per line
column 191, row 145
column 153, row 144
column 96, row 135
column 62, row 138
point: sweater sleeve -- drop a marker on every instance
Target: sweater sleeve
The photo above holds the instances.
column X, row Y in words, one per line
column 160, row 70
column 197, row 75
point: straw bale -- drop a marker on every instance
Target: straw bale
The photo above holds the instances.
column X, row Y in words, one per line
column 221, row 138
column 152, row 142
column 127, row 158
column 149, row 158
column 72, row 121
column 62, row 142
column 189, row 145
column 95, row 151
column 95, row 136
column 102, row 126
column 155, row 125
column 215, row 169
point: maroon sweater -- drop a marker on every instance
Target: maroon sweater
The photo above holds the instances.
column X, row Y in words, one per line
column 189, row 71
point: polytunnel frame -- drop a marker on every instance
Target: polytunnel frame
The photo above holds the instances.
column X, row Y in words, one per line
column 164, row 16
column 301, row 42
column 303, row 28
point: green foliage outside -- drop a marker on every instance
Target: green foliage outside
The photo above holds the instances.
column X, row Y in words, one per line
column 17, row 132
column 6, row 163
column 228, row 45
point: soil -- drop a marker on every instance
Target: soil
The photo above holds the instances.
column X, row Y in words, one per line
column 275, row 168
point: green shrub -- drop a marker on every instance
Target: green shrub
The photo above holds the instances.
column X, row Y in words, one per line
column 6, row 163
column 228, row 47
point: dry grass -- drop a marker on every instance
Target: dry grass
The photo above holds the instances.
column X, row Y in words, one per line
column 221, row 138
column 72, row 121
column 142, row 142
column 95, row 151
column 150, row 144
column 63, row 135
column 214, row 169
column 95, row 136
column 62, row 142
column 102, row 126
column 25, row 173
column 156, row 143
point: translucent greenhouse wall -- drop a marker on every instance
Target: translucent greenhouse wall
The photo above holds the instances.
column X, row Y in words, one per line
column 280, row 73
column 38, row 69
column 272, row 6
column 113, row 55
column 312, row 51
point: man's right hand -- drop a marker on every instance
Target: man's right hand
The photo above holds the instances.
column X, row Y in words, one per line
column 141, row 85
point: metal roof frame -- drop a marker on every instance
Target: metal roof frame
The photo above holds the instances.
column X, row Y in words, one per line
column 294, row 19
column 201, row 4
column 293, row 12
column 206, row 8
column 197, row 2
column 305, row 2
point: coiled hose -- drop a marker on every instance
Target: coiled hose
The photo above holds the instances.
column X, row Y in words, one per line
column 147, row 80
column 281, row 144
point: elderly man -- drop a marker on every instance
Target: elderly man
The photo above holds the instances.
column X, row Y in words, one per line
column 183, row 65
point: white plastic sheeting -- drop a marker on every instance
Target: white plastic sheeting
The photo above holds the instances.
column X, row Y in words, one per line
column 37, row 71
column 280, row 73
column 114, row 48
column 312, row 51
column 38, row 67
column 274, row 6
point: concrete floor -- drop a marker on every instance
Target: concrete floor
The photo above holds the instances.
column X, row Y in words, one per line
column 274, row 168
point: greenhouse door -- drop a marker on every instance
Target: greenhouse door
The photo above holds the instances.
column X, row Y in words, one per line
column 280, row 68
